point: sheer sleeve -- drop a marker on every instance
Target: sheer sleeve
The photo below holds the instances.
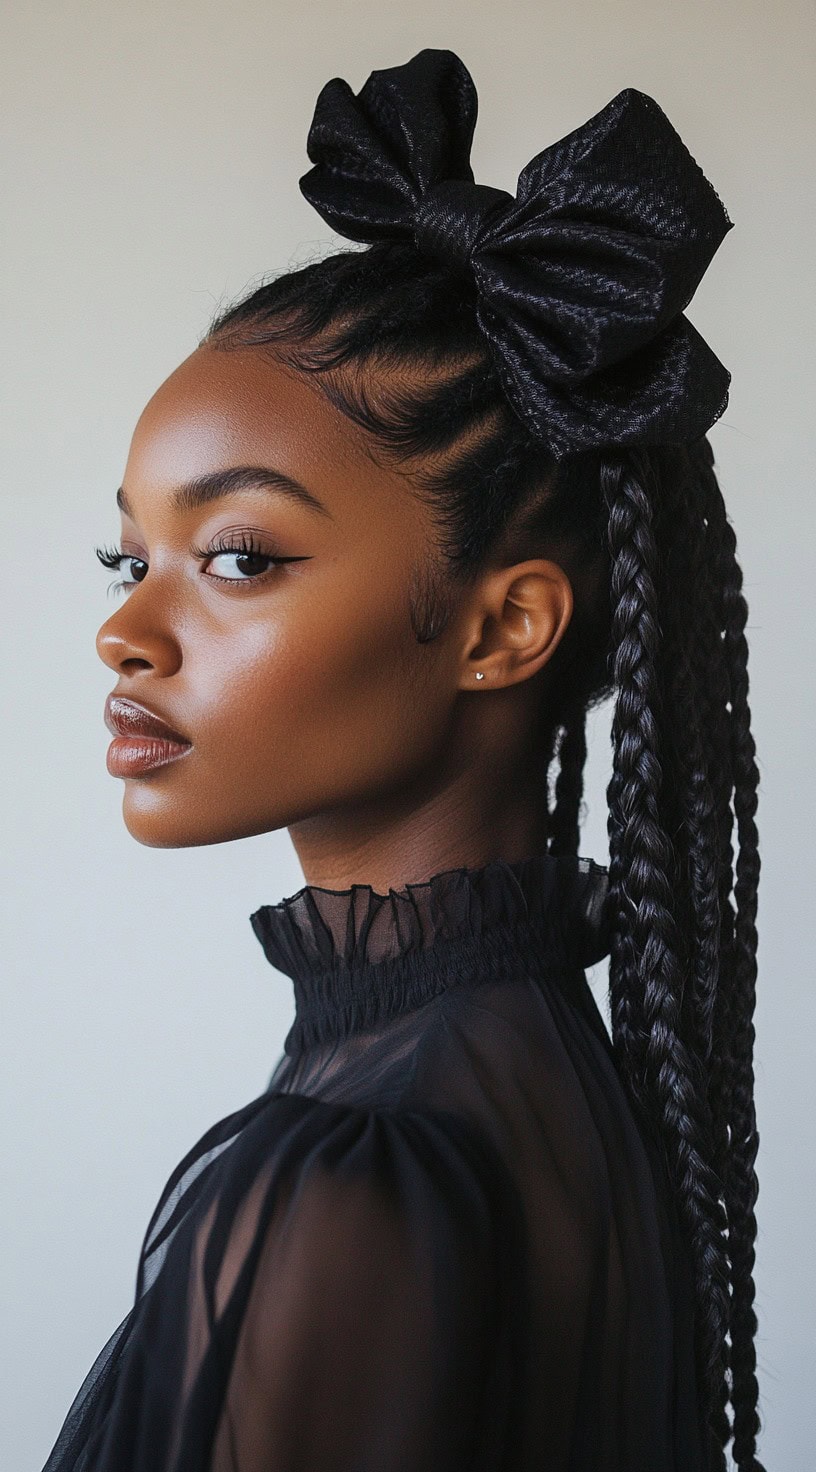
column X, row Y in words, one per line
column 335, row 1298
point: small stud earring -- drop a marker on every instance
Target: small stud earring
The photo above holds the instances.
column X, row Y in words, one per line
column 480, row 674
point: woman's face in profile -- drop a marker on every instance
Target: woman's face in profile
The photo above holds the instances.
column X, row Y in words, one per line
column 299, row 684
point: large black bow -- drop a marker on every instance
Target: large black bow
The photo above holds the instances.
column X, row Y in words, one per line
column 581, row 279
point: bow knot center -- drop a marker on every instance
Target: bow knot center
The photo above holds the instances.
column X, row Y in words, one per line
column 449, row 217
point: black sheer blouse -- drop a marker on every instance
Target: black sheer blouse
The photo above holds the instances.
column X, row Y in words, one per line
column 440, row 1240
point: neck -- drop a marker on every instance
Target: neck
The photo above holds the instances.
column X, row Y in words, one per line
column 413, row 835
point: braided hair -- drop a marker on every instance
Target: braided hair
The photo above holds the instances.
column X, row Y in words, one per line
column 390, row 336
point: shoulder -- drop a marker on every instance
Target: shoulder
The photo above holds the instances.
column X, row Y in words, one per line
column 328, row 1284
column 336, row 1172
column 328, row 1233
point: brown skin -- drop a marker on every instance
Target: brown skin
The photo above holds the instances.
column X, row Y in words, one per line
column 307, row 698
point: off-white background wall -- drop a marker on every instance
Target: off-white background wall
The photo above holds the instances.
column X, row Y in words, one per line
column 150, row 165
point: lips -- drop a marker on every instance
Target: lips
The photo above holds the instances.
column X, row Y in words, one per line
column 126, row 718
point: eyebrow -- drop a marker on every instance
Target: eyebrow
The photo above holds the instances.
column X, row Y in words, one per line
column 213, row 486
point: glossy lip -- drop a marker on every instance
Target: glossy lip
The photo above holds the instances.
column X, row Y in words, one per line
column 142, row 740
column 125, row 718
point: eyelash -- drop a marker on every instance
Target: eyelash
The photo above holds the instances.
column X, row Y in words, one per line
column 244, row 545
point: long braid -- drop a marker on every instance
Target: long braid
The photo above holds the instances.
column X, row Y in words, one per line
column 627, row 1025
column 741, row 1181
column 714, row 691
column 696, row 695
column 695, row 829
column 662, row 1071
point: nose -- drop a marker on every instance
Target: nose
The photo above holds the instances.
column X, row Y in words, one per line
column 137, row 637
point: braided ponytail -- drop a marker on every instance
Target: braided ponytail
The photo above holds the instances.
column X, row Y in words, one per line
column 683, row 960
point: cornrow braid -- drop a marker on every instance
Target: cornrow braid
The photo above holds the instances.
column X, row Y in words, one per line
column 391, row 337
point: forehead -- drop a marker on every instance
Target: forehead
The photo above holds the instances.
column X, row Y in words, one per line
column 224, row 407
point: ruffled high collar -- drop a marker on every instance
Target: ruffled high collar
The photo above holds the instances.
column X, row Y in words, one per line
column 357, row 957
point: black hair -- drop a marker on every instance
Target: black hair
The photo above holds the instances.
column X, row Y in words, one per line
column 391, row 338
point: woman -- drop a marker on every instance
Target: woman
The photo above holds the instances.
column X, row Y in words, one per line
column 388, row 532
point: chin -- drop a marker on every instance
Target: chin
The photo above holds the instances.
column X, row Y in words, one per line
column 157, row 834
column 156, row 822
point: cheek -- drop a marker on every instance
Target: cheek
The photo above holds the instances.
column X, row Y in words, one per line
column 333, row 697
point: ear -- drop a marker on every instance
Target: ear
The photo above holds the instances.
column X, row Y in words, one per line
column 517, row 619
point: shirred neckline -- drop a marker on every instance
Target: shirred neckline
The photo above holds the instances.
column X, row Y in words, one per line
column 357, row 957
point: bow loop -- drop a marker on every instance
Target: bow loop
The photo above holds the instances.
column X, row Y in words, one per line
column 450, row 216
column 376, row 155
column 581, row 277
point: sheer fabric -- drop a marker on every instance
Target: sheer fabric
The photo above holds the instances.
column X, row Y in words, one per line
column 439, row 1240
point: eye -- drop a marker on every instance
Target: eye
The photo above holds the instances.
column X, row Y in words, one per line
column 115, row 558
column 249, row 565
column 251, row 561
